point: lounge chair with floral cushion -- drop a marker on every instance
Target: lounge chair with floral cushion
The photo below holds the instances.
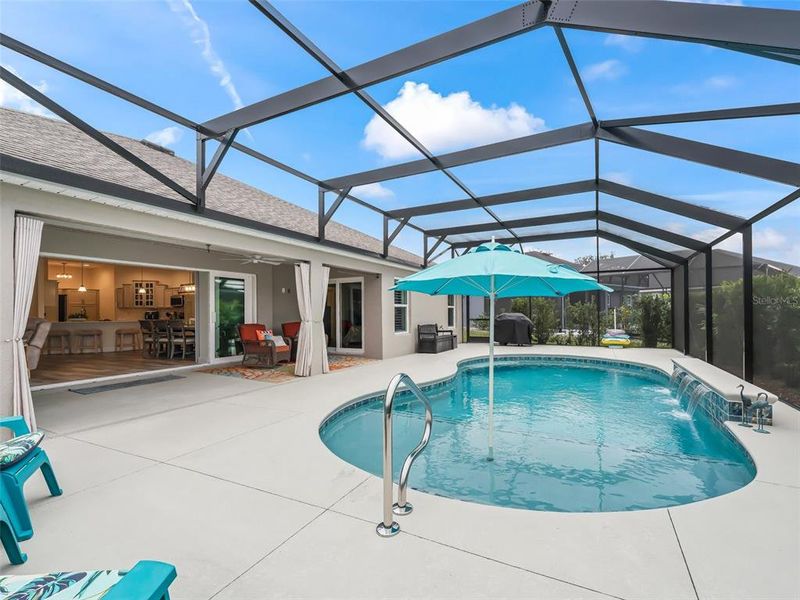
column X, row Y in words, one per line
column 21, row 457
column 261, row 346
column 147, row 580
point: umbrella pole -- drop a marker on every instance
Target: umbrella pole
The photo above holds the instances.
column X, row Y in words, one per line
column 490, row 457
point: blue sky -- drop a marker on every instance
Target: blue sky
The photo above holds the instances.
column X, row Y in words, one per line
column 202, row 59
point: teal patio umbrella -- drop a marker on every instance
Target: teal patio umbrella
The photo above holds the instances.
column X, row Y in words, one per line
column 497, row 271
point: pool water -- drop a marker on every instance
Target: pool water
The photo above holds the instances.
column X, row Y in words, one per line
column 570, row 437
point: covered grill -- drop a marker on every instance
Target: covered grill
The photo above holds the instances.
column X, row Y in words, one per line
column 513, row 328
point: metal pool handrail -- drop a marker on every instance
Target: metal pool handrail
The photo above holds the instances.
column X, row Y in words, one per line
column 389, row 527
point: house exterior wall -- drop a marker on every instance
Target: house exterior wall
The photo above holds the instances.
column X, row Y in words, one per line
column 117, row 230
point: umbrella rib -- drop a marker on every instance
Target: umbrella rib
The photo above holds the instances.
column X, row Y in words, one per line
column 507, row 284
column 441, row 287
column 477, row 285
column 555, row 291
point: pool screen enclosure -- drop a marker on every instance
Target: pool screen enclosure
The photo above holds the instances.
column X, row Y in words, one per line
column 767, row 33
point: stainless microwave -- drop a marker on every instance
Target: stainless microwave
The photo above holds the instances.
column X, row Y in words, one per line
column 176, row 301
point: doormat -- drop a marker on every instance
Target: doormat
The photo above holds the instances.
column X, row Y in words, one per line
column 124, row 384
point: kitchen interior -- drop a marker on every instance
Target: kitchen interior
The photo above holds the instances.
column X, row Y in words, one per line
column 103, row 317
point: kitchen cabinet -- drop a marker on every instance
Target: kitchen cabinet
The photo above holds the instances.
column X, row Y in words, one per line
column 155, row 295
column 84, row 303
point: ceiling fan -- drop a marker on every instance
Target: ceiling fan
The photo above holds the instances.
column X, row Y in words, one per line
column 256, row 259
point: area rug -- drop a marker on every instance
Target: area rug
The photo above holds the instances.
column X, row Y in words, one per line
column 285, row 371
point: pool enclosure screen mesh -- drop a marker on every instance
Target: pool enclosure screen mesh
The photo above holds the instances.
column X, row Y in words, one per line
column 715, row 266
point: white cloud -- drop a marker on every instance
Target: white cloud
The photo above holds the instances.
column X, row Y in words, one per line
column 629, row 43
column 445, row 122
column 165, row 137
column 201, row 36
column 714, row 83
column 720, row 82
column 675, row 227
column 608, row 70
column 375, row 191
column 765, row 239
column 769, row 239
column 621, row 177
column 11, row 97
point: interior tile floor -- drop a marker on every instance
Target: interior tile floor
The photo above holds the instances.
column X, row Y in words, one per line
column 60, row 368
column 228, row 480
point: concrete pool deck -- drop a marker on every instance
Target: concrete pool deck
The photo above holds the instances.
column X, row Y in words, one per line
column 228, row 479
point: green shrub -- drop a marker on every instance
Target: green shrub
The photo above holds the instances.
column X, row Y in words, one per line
column 582, row 317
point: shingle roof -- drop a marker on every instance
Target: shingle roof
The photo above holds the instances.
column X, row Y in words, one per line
column 58, row 144
column 551, row 258
column 722, row 258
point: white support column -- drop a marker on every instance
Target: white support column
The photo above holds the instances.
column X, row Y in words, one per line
column 204, row 310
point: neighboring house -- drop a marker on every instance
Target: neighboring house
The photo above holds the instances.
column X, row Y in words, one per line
column 631, row 275
column 99, row 209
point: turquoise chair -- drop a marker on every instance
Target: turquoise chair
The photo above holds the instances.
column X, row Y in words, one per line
column 147, row 580
column 19, row 459
column 9, row 540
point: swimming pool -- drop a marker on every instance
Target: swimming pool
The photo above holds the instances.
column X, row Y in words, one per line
column 571, row 435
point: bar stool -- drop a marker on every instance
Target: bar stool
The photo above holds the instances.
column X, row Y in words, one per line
column 127, row 339
column 59, row 340
column 89, row 339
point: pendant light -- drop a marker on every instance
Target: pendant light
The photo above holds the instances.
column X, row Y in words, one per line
column 141, row 289
column 188, row 288
column 63, row 275
column 83, row 287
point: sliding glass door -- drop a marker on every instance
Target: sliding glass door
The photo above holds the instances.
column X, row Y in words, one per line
column 232, row 305
column 344, row 315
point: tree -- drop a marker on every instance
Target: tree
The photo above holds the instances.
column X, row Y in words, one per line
column 651, row 317
column 544, row 319
column 582, row 317
column 584, row 261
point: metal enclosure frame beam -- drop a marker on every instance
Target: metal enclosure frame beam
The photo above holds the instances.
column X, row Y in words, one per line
column 747, row 308
column 768, row 33
column 93, row 133
column 687, row 330
column 709, row 289
column 544, row 237
column 575, row 74
column 666, row 259
column 550, row 191
column 653, row 232
column 275, row 16
column 755, row 165
column 96, row 82
column 745, row 112
column 324, row 215
column 472, row 36
column 529, row 143
column 678, row 207
column 771, row 30
column 25, row 168
column 527, row 222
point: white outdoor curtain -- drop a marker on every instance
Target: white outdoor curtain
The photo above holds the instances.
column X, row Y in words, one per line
column 308, row 320
column 323, row 290
column 27, row 239
column 302, row 281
